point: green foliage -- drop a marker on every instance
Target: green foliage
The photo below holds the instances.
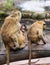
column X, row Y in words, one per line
column 8, row 5
column 40, row 16
column 3, row 15
column 27, row 14
column 47, row 15
column 33, row 15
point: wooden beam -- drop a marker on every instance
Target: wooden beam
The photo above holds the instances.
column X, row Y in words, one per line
column 37, row 52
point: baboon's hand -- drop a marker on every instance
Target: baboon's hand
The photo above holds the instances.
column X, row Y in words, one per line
column 42, row 38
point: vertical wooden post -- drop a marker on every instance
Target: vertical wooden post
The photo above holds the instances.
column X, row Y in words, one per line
column 29, row 50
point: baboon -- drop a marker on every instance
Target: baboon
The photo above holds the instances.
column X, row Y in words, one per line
column 35, row 34
column 11, row 34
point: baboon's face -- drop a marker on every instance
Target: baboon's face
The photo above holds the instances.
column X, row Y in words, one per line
column 17, row 15
column 43, row 24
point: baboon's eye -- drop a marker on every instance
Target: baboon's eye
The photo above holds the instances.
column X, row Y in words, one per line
column 18, row 13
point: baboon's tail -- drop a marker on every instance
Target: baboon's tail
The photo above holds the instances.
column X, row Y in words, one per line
column 8, row 54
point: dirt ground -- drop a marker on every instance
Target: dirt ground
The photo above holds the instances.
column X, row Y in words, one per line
column 38, row 61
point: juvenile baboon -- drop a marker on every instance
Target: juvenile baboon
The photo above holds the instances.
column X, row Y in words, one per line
column 11, row 34
column 35, row 34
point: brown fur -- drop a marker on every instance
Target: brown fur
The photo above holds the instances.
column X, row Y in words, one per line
column 35, row 34
column 11, row 34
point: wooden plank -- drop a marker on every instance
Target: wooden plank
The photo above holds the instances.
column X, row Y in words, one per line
column 23, row 54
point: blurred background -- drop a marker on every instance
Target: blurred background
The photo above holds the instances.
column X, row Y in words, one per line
column 31, row 10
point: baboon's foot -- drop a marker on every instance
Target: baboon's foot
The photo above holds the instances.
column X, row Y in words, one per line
column 22, row 46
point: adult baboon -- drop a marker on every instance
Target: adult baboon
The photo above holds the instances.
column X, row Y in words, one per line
column 35, row 34
column 11, row 34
